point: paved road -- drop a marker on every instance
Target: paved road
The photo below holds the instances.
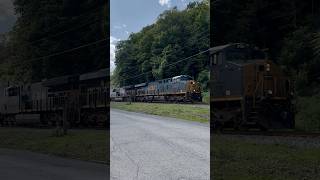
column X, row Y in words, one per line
column 149, row 147
column 21, row 165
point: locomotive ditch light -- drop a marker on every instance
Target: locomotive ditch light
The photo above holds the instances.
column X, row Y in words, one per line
column 268, row 67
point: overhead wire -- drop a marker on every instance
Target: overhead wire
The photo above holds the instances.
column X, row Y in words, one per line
column 168, row 65
column 60, row 52
column 68, row 30
column 203, row 37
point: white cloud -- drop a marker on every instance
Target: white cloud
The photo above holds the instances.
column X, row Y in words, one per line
column 113, row 42
column 165, row 3
column 122, row 26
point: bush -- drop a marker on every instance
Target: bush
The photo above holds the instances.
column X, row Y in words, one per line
column 308, row 113
column 203, row 79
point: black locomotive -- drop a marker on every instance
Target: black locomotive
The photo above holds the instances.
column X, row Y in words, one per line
column 248, row 90
column 81, row 99
column 176, row 89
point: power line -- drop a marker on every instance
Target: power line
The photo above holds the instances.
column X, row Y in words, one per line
column 68, row 30
column 202, row 52
column 61, row 52
column 203, row 37
column 63, row 32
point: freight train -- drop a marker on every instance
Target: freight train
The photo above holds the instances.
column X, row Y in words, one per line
column 248, row 90
column 176, row 89
column 81, row 99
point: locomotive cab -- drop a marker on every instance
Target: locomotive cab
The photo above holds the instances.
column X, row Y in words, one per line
column 248, row 90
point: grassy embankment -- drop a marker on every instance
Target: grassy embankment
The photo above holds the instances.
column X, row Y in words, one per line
column 308, row 115
column 206, row 97
column 239, row 159
column 89, row 145
column 190, row 112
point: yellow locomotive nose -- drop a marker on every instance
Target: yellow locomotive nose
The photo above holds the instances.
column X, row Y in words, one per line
column 193, row 87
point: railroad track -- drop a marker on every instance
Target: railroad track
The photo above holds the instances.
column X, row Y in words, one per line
column 270, row 133
column 167, row 102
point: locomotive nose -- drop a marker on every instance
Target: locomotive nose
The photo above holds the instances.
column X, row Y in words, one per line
column 194, row 87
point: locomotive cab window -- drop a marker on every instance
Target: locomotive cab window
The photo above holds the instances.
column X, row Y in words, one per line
column 12, row 91
column 261, row 67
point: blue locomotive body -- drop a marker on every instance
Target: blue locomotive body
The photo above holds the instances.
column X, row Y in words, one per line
column 177, row 89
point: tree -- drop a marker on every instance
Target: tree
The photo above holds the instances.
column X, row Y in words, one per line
column 157, row 51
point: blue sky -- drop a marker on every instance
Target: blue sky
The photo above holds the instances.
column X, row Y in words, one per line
column 130, row 16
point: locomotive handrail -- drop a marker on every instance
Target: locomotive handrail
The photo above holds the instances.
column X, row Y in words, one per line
column 255, row 92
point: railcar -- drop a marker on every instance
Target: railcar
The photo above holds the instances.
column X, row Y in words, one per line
column 81, row 99
column 176, row 89
column 248, row 90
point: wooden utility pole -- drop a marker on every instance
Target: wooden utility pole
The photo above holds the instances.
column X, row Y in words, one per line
column 65, row 117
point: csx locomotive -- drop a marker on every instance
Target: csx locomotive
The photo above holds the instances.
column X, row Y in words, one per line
column 176, row 89
column 81, row 99
column 248, row 90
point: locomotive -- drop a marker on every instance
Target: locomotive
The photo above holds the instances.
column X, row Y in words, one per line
column 176, row 89
column 248, row 90
column 81, row 99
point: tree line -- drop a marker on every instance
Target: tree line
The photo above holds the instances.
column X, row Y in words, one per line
column 45, row 29
column 157, row 51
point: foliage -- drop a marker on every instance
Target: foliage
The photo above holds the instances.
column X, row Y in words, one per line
column 156, row 52
column 308, row 114
column 47, row 27
column 203, row 78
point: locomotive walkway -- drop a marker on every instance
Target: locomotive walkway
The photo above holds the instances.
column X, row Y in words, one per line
column 22, row 165
column 153, row 147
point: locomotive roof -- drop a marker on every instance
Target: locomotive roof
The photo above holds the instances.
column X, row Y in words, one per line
column 176, row 77
column 102, row 73
column 60, row 80
column 226, row 46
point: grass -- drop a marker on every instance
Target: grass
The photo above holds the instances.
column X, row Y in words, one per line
column 206, row 97
column 89, row 145
column 180, row 111
column 308, row 115
column 235, row 159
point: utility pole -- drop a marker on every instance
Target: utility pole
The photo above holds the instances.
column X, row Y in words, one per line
column 65, row 116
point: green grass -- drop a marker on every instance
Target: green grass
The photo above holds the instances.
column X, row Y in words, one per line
column 308, row 115
column 180, row 111
column 235, row 159
column 206, row 97
column 89, row 145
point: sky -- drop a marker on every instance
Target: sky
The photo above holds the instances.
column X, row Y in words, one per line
column 7, row 16
column 130, row 16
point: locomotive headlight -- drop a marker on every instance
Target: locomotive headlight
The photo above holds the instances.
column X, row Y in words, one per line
column 268, row 67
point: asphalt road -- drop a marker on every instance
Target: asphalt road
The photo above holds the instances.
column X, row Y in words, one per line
column 22, row 165
column 149, row 147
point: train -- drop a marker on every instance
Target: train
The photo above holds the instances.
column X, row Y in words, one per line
column 248, row 91
column 177, row 89
column 81, row 100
